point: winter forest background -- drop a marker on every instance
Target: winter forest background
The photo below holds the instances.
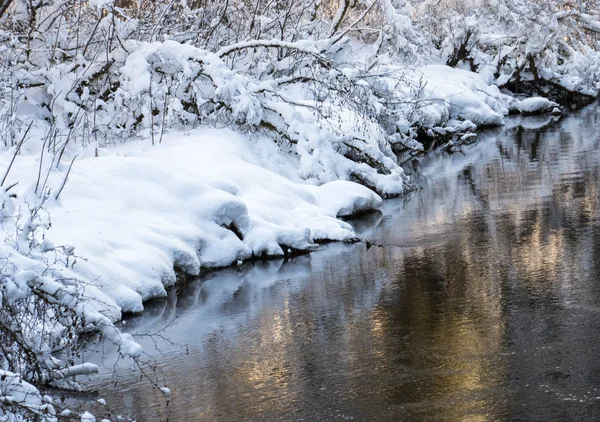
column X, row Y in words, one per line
column 329, row 90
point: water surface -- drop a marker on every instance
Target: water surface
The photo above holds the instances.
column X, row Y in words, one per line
column 482, row 302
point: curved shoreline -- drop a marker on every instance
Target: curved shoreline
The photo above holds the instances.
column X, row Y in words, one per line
column 183, row 277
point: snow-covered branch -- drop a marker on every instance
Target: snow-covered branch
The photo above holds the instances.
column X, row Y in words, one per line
column 588, row 22
column 305, row 47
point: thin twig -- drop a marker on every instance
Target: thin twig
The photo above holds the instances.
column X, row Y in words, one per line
column 17, row 149
column 65, row 179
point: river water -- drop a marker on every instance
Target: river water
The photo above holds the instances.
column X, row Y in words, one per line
column 480, row 302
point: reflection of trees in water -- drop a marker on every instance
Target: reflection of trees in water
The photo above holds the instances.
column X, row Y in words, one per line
column 508, row 252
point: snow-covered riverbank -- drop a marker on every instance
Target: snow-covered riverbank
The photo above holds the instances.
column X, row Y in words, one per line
column 200, row 199
column 135, row 213
column 100, row 230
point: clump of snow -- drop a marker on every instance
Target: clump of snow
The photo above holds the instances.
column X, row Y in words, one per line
column 464, row 95
column 536, row 105
column 343, row 199
column 87, row 417
column 81, row 369
column 14, row 389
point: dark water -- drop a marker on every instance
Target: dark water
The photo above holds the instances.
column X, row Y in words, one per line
column 482, row 304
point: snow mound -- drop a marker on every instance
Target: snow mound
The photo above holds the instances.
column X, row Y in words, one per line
column 536, row 105
column 462, row 95
column 343, row 199
column 14, row 389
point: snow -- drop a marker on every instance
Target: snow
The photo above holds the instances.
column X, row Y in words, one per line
column 87, row 417
column 136, row 212
column 291, row 113
column 82, row 369
column 465, row 95
column 14, row 389
column 342, row 198
column 536, row 105
column 303, row 45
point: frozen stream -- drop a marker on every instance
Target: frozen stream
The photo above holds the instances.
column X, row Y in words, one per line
column 483, row 303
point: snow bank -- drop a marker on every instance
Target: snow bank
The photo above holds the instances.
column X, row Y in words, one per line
column 205, row 199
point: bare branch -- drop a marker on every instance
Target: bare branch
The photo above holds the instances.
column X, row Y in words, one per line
column 65, row 179
column 17, row 149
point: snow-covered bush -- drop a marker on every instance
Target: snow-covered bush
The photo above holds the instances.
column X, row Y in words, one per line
column 46, row 313
column 102, row 71
column 97, row 72
column 46, row 318
column 328, row 80
column 526, row 45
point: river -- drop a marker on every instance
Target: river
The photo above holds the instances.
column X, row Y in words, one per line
column 480, row 300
